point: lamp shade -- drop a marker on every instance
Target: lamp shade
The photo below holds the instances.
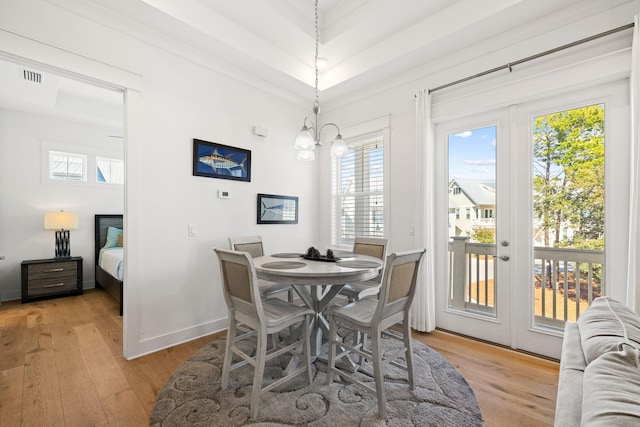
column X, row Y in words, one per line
column 306, row 155
column 339, row 147
column 60, row 220
column 304, row 140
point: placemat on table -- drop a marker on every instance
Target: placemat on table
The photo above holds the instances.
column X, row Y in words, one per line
column 344, row 254
column 357, row 263
column 284, row 265
column 287, row 255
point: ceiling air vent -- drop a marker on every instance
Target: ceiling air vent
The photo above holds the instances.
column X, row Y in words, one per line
column 32, row 76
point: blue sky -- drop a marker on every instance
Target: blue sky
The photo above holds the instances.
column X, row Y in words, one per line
column 472, row 154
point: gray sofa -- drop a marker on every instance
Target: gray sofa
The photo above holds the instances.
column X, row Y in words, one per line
column 599, row 381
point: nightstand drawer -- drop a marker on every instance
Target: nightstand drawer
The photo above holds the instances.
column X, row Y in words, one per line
column 52, row 270
column 49, row 285
column 49, row 278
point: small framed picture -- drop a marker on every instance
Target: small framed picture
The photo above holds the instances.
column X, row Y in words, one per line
column 274, row 209
column 221, row 161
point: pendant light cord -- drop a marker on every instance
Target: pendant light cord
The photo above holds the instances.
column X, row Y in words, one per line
column 315, row 61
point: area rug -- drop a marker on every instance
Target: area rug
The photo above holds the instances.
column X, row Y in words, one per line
column 192, row 396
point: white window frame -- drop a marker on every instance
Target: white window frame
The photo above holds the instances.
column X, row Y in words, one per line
column 89, row 152
column 338, row 240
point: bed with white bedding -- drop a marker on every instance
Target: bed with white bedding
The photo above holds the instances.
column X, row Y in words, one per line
column 109, row 255
column 110, row 260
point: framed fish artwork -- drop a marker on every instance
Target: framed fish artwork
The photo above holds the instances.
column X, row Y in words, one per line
column 221, row 161
column 274, row 209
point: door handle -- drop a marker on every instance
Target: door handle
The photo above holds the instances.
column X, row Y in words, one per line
column 504, row 257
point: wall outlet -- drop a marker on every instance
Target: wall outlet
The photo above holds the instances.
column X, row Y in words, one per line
column 224, row 194
column 193, row 230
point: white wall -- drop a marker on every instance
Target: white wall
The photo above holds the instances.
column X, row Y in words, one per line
column 25, row 194
column 174, row 292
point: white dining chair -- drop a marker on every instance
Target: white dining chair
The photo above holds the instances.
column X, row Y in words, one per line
column 253, row 245
column 373, row 317
column 375, row 247
column 263, row 317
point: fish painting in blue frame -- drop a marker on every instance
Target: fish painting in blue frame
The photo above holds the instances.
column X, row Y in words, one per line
column 221, row 161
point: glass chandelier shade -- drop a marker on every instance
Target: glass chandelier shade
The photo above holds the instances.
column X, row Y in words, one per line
column 306, row 155
column 304, row 140
column 339, row 147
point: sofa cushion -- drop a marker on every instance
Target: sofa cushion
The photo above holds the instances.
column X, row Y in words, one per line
column 572, row 366
column 610, row 389
column 572, row 354
column 605, row 325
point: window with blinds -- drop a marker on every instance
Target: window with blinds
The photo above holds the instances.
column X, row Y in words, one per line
column 358, row 191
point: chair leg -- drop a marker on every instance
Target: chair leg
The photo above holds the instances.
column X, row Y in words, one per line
column 378, row 373
column 290, row 299
column 331, row 362
column 356, row 339
column 307, row 346
column 258, row 374
column 406, row 330
column 363, row 340
column 228, row 354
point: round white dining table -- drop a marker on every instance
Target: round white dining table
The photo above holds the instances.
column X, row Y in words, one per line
column 317, row 282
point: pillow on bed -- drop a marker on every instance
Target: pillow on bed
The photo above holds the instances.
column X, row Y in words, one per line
column 112, row 237
column 120, row 240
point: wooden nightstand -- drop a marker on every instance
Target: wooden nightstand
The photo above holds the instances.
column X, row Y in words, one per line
column 50, row 278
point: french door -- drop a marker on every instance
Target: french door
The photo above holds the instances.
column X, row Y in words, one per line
column 524, row 223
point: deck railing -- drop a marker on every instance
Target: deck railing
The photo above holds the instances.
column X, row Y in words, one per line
column 565, row 280
column 569, row 280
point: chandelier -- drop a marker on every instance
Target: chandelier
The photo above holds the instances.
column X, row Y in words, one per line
column 309, row 137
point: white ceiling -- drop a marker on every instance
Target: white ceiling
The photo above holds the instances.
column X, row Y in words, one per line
column 365, row 41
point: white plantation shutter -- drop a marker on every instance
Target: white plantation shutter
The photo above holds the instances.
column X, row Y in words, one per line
column 358, row 191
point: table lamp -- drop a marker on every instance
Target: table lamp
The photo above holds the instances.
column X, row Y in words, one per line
column 62, row 222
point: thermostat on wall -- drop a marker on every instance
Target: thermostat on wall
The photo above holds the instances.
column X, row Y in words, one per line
column 223, row 194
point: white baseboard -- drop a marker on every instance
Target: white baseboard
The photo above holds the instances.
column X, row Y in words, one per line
column 154, row 344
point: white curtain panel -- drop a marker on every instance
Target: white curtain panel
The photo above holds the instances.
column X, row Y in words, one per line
column 633, row 272
column 423, row 311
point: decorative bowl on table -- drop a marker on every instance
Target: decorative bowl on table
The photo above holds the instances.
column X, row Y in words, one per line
column 314, row 255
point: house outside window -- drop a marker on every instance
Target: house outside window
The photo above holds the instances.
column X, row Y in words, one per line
column 358, row 191
column 468, row 213
column 109, row 171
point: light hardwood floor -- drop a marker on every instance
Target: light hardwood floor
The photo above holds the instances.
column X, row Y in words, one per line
column 61, row 364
